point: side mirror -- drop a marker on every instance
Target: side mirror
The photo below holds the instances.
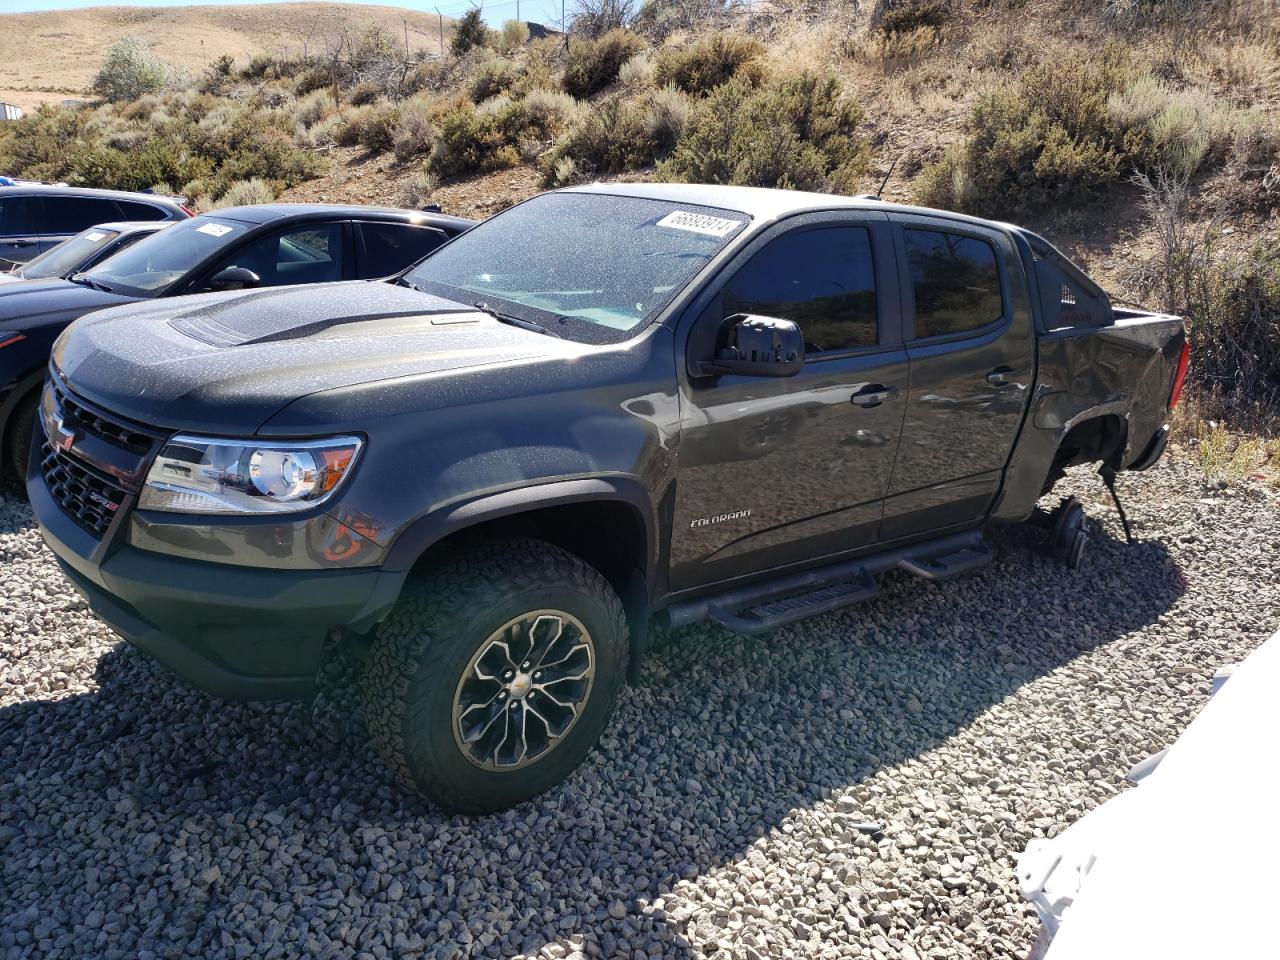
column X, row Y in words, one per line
column 234, row 278
column 758, row 346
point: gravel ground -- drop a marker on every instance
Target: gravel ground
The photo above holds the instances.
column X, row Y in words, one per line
column 722, row 816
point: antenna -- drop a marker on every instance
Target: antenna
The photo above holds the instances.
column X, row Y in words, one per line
column 886, row 178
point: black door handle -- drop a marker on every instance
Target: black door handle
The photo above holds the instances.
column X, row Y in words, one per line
column 1001, row 376
column 22, row 243
column 872, row 395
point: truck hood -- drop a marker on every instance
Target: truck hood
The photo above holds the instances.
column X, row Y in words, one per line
column 32, row 303
column 224, row 363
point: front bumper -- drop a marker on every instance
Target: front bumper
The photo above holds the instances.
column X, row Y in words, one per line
column 243, row 633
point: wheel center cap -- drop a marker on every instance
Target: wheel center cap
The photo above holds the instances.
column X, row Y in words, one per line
column 520, row 686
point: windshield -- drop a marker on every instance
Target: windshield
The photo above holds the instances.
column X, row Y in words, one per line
column 155, row 263
column 588, row 266
column 67, row 256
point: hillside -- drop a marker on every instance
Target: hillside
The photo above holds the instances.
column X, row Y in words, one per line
column 1141, row 136
column 54, row 54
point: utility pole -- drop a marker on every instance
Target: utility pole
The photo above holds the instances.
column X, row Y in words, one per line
column 441, row 16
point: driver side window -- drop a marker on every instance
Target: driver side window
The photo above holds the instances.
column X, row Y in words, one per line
column 823, row 279
column 306, row 253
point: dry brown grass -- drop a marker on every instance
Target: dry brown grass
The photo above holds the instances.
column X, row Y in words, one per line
column 50, row 55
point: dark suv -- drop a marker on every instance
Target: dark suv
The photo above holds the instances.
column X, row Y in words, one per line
column 36, row 217
column 268, row 245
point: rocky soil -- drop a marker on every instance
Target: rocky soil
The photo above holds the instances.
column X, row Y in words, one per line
column 856, row 786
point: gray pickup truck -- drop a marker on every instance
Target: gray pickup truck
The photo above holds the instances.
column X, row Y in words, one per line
column 604, row 405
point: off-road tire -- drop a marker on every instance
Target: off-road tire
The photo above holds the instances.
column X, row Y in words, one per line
column 427, row 642
column 17, row 447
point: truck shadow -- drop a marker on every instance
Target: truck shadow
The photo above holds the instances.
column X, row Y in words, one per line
column 120, row 799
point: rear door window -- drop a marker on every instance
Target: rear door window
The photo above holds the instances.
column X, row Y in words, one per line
column 136, row 210
column 822, row 279
column 68, row 215
column 19, row 216
column 392, row 247
column 956, row 282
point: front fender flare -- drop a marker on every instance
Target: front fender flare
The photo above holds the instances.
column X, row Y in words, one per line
column 428, row 530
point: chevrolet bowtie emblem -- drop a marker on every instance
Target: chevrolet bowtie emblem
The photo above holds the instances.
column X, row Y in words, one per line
column 65, row 437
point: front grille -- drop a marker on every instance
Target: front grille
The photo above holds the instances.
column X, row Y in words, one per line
column 89, row 497
column 116, row 432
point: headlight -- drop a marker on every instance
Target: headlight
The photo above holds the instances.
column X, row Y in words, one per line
column 199, row 475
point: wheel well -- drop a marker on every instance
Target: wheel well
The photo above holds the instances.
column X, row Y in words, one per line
column 607, row 534
column 1098, row 440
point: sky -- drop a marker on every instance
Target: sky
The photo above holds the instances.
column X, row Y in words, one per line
column 495, row 11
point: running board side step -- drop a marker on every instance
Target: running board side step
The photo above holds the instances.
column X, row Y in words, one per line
column 761, row 607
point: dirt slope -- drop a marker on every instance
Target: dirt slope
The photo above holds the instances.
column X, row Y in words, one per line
column 54, row 54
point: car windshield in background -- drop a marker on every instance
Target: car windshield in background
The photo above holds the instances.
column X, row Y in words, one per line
column 155, row 263
column 587, row 266
column 66, row 256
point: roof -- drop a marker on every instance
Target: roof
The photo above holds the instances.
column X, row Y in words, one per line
column 132, row 226
column 759, row 203
column 46, row 188
column 269, row 212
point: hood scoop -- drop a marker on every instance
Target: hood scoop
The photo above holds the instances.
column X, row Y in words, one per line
column 271, row 319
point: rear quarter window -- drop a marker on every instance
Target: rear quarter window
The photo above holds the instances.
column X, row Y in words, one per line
column 136, row 210
column 955, row 281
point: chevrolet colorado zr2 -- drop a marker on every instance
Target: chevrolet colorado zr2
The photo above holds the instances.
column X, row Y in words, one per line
column 603, row 405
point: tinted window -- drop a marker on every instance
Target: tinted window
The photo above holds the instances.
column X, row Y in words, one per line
column 73, row 214
column 133, row 210
column 18, row 216
column 956, row 282
column 589, row 266
column 156, row 263
column 311, row 253
column 67, row 256
column 391, row 247
column 821, row 279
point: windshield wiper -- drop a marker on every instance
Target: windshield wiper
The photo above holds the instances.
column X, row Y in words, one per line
column 84, row 281
column 514, row 321
column 406, row 282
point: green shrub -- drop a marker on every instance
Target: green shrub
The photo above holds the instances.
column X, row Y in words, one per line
column 550, row 112
column 618, row 134
column 475, row 141
column 908, row 16
column 1069, row 131
column 1234, row 305
column 799, row 133
column 364, row 93
column 492, row 77
column 128, row 71
column 245, row 193
column 513, row 36
column 313, row 78
column 417, row 132
column 139, row 169
column 223, row 65
column 380, row 127
column 469, row 33
column 313, row 107
column 592, row 65
column 702, row 66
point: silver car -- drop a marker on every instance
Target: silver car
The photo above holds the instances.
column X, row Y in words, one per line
column 84, row 250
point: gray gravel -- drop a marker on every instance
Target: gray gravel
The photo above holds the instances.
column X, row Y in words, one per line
column 731, row 811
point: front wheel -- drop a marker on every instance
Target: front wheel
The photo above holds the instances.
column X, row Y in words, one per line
column 21, row 422
column 495, row 675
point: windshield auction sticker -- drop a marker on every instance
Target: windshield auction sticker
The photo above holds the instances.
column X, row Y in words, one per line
column 215, row 229
column 94, row 237
column 698, row 223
